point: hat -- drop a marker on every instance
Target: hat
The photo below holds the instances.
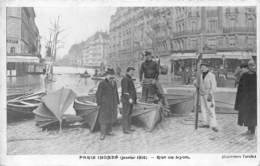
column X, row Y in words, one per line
column 147, row 53
column 130, row 68
column 110, row 71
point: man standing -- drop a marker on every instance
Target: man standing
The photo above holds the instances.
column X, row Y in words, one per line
column 243, row 68
column 246, row 100
column 150, row 70
column 207, row 88
column 222, row 76
column 107, row 100
column 128, row 99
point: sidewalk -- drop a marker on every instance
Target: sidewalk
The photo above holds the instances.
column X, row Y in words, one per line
column 172, row 135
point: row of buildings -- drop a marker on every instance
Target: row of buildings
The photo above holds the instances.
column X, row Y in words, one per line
column 22, row 41
column 176, row 34
column 95, row 50
column 91, row 53
column 226, row 35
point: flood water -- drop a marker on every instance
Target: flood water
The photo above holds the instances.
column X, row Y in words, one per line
column 67, row 77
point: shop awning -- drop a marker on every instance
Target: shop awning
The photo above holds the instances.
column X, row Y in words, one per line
column 179, row 56
column 26, row 59
column 212, row 56
column 235, row 55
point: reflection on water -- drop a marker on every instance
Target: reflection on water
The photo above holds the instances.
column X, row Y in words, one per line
column 63, row 77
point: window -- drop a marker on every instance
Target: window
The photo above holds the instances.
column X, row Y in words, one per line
column 232, row 42
column 212, row 42
column 232, row 23
column 250, row 23
column 212, row 25
column 193, row 43
column 193, row 26
column 12, row 50
column 250, row 41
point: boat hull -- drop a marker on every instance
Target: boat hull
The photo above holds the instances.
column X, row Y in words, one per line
column 148, row 114
column 18, row 113
column 21, row 107
column 180, row 104
column 88, row 111
column 84, row 75
column 97, row 78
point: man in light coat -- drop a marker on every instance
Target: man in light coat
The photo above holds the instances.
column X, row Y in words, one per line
column 207, row 87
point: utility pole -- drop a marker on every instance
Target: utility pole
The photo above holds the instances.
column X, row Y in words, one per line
column 198, row 74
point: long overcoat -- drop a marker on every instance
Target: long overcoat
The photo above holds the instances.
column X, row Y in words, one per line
column 246, row 100
column 107, row 98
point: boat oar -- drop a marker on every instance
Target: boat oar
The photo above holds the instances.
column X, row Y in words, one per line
column 24, row 96
column 197, row 91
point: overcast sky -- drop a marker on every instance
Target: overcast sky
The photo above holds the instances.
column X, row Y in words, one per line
column 79, row 23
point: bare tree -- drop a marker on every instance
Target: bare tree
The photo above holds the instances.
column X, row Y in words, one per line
column 54, row 42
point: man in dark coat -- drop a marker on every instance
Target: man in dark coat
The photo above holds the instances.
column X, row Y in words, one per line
column 246, row 100
column 243, row 68
column 128, row 99
column 107, row 101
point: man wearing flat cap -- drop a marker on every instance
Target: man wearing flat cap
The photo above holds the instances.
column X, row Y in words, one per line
column 107, row 100
column 207, row 88
column 128, row 99
column 150, row 70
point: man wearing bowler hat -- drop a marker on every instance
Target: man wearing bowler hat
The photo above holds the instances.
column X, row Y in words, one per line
column 107, row 100
column 207, row 88
column 128, row 99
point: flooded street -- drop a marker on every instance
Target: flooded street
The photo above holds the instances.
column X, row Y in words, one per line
column 63, row 77
column 171, row 135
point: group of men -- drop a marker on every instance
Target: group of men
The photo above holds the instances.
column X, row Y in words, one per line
column 108, row 101
column 108, row 98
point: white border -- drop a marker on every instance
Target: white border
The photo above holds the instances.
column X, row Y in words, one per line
column 197, row 159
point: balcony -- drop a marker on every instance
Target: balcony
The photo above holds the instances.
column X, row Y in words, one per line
column 186, row 33
column 239, row 29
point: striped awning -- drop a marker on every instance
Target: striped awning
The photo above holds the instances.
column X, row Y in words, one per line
column 26, row 59
column 179, row 56
column 235, row 55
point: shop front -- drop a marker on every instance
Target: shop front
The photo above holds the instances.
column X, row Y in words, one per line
column 229, row 60
column 20, row 65
column 182, row 61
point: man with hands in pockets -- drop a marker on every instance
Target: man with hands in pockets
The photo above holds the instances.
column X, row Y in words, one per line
column 128, row 99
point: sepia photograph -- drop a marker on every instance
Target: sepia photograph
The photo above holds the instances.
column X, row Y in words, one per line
column 131, row 80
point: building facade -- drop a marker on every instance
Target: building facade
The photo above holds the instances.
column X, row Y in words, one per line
column 138, row 29
column 179, row 33
column 228, row 32
column 22, row 40
column 95, row 50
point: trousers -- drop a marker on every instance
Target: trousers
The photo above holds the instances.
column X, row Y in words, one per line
column 126, row 116
column 105, row 128
column 149, row 90
column 208, row 111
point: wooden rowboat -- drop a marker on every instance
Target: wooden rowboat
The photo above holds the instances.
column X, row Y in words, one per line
column 97, row 78
column 180, row 104
column 88, row 110
column 85, row 75
column 21, row 107
column 148, row 114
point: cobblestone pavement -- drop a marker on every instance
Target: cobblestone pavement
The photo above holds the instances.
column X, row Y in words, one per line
column 172, row 135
